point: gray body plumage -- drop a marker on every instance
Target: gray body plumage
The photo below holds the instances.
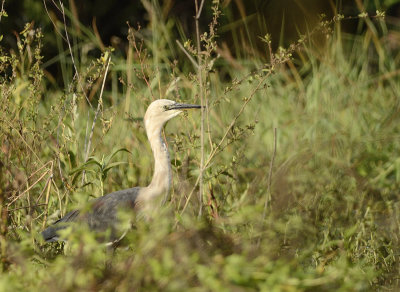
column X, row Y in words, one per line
column 102, row 212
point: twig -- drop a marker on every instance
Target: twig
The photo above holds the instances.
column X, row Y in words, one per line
column 86, row 144
column 52, row 21
column 45, row 186
column 72, row 55
column 2, row 8
column 142, row 59
column 200, row 79
column 40, row 168
column 187, row 54
column 128, row 77
column 96, row 114
column 23, row 140
column 46, row 211
column 58, row 138
column 58, row 194
column 208, row 128
column 55, row 4
column 38, row 180
column 198, row 13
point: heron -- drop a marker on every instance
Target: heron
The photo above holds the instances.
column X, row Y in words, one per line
column 102, row 212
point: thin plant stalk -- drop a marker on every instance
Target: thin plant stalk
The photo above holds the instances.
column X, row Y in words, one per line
column 233, row 122
column 268, row 194
column 89, row 144
column 202, row 101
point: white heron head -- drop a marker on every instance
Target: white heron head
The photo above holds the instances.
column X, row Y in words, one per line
column 162, row 110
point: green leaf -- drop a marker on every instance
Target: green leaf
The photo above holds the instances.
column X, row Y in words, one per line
column 113, row 165
column 108, row 158
column 85, row 166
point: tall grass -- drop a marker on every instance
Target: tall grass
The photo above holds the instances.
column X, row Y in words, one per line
column 332, row 223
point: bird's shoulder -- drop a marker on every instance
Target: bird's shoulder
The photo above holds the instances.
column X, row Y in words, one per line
column 123, row 198
column 102, row 212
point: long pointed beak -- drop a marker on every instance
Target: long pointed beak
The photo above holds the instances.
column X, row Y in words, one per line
column 180, row 106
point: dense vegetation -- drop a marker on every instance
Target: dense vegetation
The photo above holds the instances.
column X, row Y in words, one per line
column 301, row 159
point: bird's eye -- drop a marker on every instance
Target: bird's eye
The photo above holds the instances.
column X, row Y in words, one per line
column 166, row 107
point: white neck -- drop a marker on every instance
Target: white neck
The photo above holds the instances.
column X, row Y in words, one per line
column 162, row 176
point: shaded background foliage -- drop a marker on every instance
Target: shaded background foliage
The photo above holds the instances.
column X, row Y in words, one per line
column 240, row 25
